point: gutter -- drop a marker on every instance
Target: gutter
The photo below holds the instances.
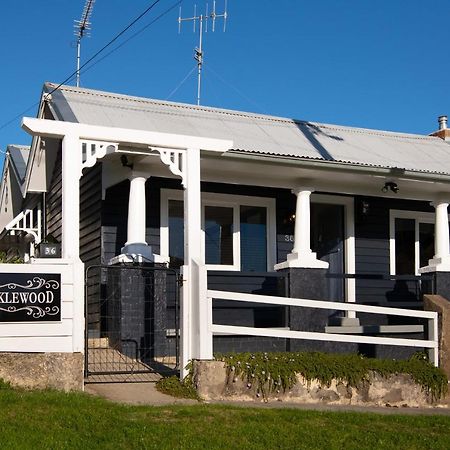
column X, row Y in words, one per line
column 343, row 167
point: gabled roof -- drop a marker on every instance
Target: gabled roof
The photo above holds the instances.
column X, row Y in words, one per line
column 255, row 133
column 19, row 157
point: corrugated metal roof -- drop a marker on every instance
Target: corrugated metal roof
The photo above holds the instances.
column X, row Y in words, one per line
column 19, row 157
column 256, row 133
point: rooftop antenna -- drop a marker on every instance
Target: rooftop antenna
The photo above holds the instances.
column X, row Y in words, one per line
column 202, row 19
column 82, row 28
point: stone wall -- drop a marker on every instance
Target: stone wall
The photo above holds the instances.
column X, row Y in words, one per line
column 213, row 383
column 61, row 371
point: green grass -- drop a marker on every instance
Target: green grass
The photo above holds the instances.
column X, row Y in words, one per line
column 52, row 420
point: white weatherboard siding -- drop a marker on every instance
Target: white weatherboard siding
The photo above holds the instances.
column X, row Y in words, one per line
column 66, row 336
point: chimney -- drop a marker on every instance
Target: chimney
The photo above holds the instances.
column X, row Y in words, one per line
column 443, row 132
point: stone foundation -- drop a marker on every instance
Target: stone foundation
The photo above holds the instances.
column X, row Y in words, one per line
column 212, row 382
column 61, row 371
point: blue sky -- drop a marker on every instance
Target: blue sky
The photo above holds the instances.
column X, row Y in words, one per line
column 381, row 64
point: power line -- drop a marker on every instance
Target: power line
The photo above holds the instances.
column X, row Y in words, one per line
column 114, row 39
column 134, row 35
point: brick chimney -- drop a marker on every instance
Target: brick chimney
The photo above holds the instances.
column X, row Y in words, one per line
column 443, row 132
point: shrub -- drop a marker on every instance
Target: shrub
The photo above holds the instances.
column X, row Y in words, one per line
column 272, row 372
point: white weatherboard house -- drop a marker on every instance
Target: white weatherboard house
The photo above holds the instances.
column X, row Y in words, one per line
column 269, row 220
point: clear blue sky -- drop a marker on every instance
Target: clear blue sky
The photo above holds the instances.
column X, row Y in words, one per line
column 383, row 64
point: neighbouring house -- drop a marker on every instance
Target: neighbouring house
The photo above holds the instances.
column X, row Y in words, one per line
column 267, row 205
column 11, row 199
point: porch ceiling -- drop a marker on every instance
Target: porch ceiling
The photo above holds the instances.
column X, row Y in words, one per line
column 233, row 169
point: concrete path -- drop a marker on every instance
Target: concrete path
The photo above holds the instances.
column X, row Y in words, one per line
column 135, row 394
column 147, row 394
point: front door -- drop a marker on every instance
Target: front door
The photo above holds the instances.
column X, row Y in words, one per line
column 327, row 240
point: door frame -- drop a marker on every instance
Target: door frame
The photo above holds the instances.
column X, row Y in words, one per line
column 349, row 238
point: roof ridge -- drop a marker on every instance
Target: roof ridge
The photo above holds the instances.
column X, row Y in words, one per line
column 236, row 113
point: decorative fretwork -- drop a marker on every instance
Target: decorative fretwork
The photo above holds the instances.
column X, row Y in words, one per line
column 91, row 151
column 174, row 160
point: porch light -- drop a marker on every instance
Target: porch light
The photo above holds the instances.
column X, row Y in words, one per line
column 390, row 185
column 125, row 163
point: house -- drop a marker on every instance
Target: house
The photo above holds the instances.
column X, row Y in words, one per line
column 11, row 199
column 287, row 208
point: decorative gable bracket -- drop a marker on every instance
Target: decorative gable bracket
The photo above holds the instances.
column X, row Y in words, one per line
column 174, row 160
column 91, row 151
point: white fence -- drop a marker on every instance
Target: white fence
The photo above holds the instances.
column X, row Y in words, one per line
column 432, row 317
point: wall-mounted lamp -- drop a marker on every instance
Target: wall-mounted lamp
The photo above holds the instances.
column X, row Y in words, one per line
column 390, row 185
column 125, row 163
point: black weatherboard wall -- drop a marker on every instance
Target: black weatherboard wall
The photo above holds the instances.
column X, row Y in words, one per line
column 372, row 234
column 54, row 198
column 90, row 237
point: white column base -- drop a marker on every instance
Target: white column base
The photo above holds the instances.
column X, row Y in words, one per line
column 437, row 265
column 302, row 260
column 138, row 253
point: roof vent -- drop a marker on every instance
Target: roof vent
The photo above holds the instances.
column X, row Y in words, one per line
column 442, row 122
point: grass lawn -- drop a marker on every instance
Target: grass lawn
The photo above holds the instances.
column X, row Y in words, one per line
column 52, row 420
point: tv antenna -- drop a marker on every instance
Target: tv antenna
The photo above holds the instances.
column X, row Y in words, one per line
column 203, row 19
column 82, row 28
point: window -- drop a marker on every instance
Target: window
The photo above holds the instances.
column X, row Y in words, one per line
column 238, row 231
column 411, row 241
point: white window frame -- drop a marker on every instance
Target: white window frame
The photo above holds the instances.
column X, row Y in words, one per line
column 349, row 237
column 223, row 200
column 418, row 217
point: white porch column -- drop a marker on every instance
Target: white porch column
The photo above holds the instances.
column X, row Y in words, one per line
column 71, row 170
column 441, row 237
column 302, row 255
column 136, row 248
column 136, row 210
column 441, row 259
column 196, row 312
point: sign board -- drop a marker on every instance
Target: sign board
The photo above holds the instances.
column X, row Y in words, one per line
column 30, row 297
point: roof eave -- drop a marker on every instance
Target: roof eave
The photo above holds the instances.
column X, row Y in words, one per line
column 341, row 166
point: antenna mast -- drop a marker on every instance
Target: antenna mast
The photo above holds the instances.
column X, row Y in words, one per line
column 82, row 28
column 202, row 18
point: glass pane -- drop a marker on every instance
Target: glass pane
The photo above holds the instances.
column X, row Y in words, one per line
column 218, row 235
column 253, row 239
column 404, row 246
column 426, row 243
column 176, row 233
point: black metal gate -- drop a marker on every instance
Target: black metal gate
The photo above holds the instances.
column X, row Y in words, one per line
column 132, row 323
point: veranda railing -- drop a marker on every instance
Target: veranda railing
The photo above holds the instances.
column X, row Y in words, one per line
column 432, row 318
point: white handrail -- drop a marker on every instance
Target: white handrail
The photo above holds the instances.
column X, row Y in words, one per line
column 431, row 316
column 320, row 304
column 24, row 222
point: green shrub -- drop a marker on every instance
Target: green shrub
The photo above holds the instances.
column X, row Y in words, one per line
column 277, row 372
column 176, row 388
column 11, row 260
